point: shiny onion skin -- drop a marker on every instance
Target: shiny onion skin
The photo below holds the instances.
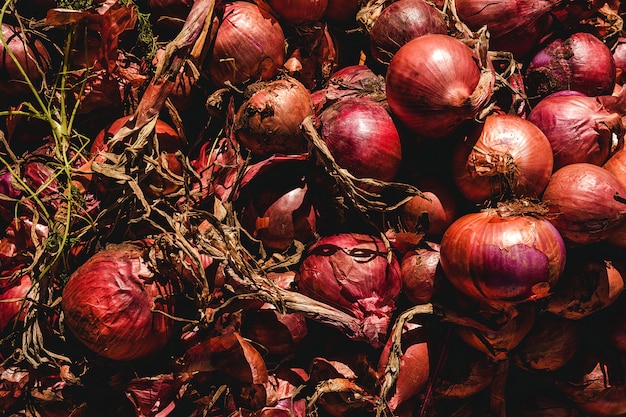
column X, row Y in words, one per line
column 616, row 165
column 297, row 12
column 586, row 203
column 14, row 301
column 579, row 62
column 268, row 122
column 579, row 128
column 507, row 157
column 350, row 271
column 514, row 25
column 249, row 45
column 108, row 304
column 434, row 83
column 31, row 55
column 400, row 22
column 422, row 276
column 498, row 255
column 363, row 138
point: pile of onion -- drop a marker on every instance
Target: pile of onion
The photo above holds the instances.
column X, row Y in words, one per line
column 436, row 82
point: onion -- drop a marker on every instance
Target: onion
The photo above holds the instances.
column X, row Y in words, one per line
column 586, row 202
column 498, row 343
column 507, row 157
column 516, row 26
column 350, row 271
column 433, row 213
column 363, row 138
column 619, row 55
column 422, row 276
column 341, row 10
column 279, row 333
column 400, row 22
column 592, row 280
column 113, row 304
column 580, row 62
column 413, row 367
column 434, row 83
column 14, row 301
column 268, row 122
column 550, row 344
column 503, row 255
column 297, row 12
column 249, row 45
column 580, row 128
column 31, row 56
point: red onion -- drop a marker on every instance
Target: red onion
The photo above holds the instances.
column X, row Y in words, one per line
column 422, row 276
column 580, row 128
column 616, row 165
column 592, row 281
column 433, row 213
column 249, row 45
column 363, row 138
column 414, row 367
column 113, row 304
column 498, row 343
column 350, row 271
column 550, row 344
column 503, row 254
column 434, row 83
column 400, row 22
column 157, row 394
column 341, row 10
column 279, row 333
column 297, row 12
column 586, row 201
column 515, row 26
column 268, row 122
column 619, row 55
column 30, row 54
column 507, row 157
column 580, row 62
column 14, row 301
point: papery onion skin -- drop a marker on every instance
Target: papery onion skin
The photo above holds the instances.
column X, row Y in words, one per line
column 350, row 271
column 268, row 122
column 584, row 201
column 363, row 138
column 422, row 276
column 503, row 257
column 111, row 304
column 579, row 128
column 580, row 62
column 400, row 22
column 434, row 84
column 249, row 45
column 510, row 158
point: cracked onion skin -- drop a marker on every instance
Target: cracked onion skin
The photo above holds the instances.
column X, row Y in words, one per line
column 108, row 304
column 502, row 256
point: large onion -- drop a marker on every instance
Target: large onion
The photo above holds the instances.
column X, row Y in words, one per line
column 501, row 254
column 350, row 271
column 400, row 22
column 579, row 62
column 363, row 138
column 580, row 128
column 296, row 12
column 586, row 201
column 249, row 45
column 434, row 83
column 114, row 304
column 508, row 157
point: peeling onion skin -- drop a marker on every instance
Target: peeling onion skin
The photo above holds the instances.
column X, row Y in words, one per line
column 108, row 301
column 251, row 37
column 434, row 84
column 506, row 258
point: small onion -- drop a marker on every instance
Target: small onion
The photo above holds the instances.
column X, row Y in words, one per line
column 422, row 276
column 400, row 22
column 580, row 128
column 509, row 157
column 586, row 203
column 434, row 83
column 363, row 138
column 113, row 304
column 14, row 301
column 350, row 271
column 579, row 62
column 249, row 45
column 501, row 254
column 268, row 122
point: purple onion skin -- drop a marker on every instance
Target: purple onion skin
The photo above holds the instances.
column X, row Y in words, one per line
column 580, row 62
